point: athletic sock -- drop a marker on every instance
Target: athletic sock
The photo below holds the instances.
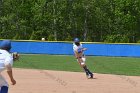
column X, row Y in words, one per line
column 87, row 70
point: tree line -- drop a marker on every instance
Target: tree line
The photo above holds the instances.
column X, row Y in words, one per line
column 61, row 20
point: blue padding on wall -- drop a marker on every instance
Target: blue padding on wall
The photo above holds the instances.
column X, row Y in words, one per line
column 113, row 50
column 65, row 48
column 42, row 47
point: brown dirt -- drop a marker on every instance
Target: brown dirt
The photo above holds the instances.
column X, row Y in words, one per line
column 45, row 81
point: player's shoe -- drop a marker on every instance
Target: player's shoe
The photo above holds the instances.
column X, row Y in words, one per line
column 90, row 76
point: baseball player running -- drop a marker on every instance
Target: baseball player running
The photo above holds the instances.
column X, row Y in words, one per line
column 6, row 62
column 79, row 54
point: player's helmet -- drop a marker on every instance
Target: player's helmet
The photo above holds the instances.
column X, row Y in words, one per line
column 6, row 45
column 76, row 40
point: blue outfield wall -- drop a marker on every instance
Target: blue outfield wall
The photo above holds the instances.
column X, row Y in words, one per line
column 130, row 50
column 65, row 48
column 53, row 48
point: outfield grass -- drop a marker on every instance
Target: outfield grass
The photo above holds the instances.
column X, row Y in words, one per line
column 108, row 65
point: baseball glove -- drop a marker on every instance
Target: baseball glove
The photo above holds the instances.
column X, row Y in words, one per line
column 15, row 56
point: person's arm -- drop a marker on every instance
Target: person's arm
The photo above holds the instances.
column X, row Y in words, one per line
column 11, row 77
column 8, row 65
column 83, row 49
column 75, row 51
column 10, row 73
column 75, row 54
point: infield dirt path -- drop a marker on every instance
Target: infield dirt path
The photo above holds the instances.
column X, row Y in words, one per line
column 45, row 81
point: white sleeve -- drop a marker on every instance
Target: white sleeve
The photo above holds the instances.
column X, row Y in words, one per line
column 8, row 63
column 9, row 60
column 74, row 48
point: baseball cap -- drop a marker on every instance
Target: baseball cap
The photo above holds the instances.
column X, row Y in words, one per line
column 76, row 40
column 6, row 44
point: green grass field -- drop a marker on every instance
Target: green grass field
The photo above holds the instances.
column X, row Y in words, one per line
column 108, row 65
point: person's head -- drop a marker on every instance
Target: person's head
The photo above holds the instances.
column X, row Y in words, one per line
column 77, row 41
column 5, row 45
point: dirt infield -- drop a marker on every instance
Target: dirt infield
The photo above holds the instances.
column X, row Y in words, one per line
column 44, row 81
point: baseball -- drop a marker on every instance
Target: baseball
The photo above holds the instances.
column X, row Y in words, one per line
column 43, row 39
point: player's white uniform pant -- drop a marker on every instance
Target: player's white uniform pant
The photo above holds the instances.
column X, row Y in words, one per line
column 83, row 61
column 2, row 81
